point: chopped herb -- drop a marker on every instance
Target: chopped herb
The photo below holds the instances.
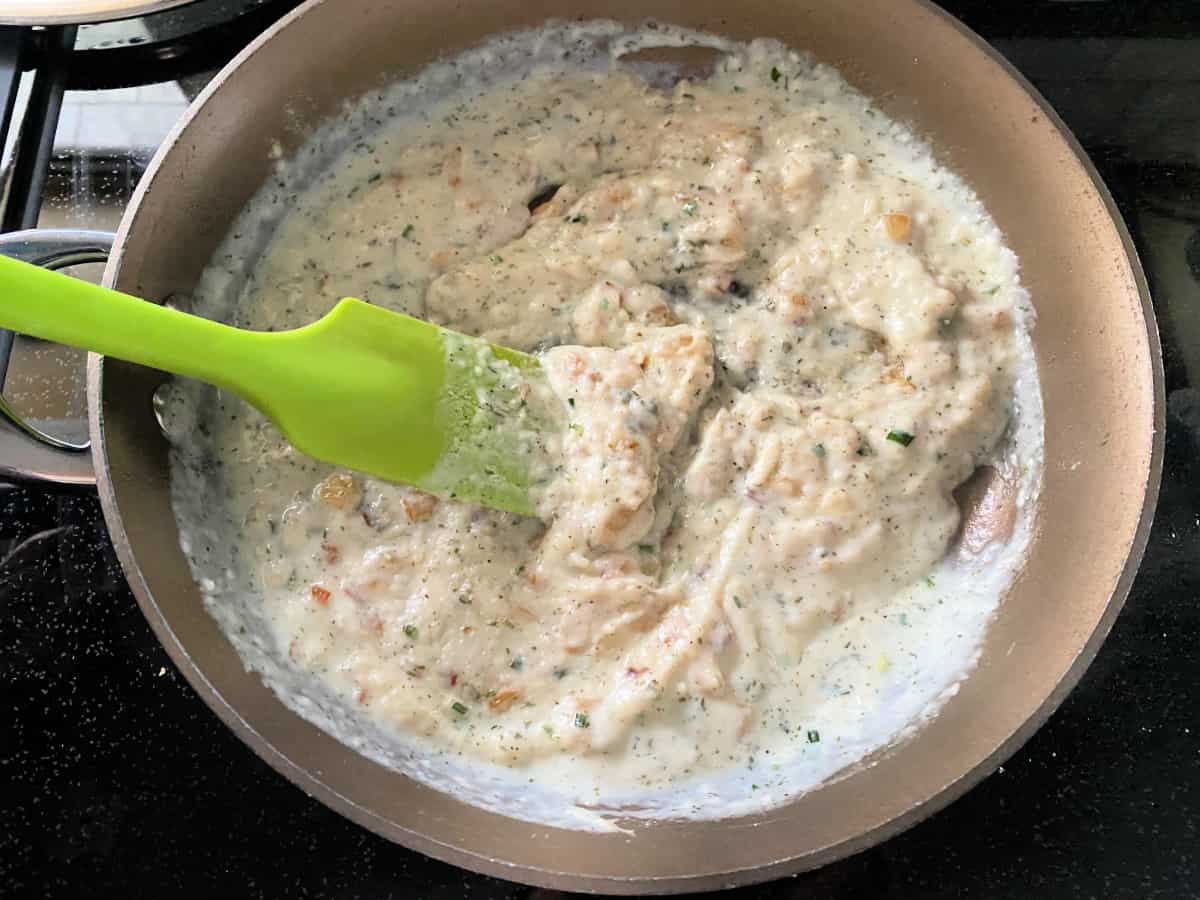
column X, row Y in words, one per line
column 814, row 737
column 582, row 720
column 903, row 438
column 571, row 402
column 410, row 631
column 690, row 207
column 992, row 290
column 519, row 569
column 737, row 601
column 775, row 74
column 819, row 449
column 864, row 449
column 517, row 664
column 577, row 428
column 560, row 674
column 645, row 548
column 458, row 708
column 495, row 259
column 929, row 581
column 666, row 226
column 579, row 219
column 548, row 728
column 408, row 231
column 464, row 599
column 903, row 618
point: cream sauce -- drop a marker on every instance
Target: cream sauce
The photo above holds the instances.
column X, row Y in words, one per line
column 781, row 335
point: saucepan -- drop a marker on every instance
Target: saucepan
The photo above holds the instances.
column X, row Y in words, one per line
column 1095, row 340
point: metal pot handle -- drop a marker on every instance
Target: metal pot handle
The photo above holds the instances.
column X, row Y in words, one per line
column 27, row 452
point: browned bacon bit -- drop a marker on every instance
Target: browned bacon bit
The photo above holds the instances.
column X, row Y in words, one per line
column 321, row 595
column 636, row 672
column 453, row 679
column 362, row 695
column 331, row 552
column 366, row 517
column 416, row 672
column 419, row 506
column 504, row 699
column 897, row 225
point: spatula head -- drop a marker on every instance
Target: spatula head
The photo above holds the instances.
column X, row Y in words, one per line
column 404, row 400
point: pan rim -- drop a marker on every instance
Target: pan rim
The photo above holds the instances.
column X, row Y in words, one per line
column 545, row 877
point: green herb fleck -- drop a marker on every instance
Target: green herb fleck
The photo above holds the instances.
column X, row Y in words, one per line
column 666, row 226
column 579, row 219
column 903, row 438
column 519, row 569
column 560, row 674
column 458, row 708
column 410, row 631
column 775, row 74
column 582, row 720
column 929, row 581
column 690, row 207
column 496, row 259
column 548, row 728
column 645, row 548
column 737, row 601
column 571, row 402
column 819, row 450
column 814, row 737
column 864, row 449
column 517, row 664
column 577, row 428
column 464, row 599
column 407, row 233
column 903, row 618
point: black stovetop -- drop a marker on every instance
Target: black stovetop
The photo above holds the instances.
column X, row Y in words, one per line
column 116, row 780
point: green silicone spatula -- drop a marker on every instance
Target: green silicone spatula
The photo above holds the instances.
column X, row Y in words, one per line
column 364, row 388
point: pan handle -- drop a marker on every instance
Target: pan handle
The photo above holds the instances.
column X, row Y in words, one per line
column 27, row 453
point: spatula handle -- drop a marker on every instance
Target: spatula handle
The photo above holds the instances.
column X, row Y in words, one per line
column 59, row 308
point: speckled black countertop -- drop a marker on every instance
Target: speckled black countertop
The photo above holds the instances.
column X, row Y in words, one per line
column 117, row 781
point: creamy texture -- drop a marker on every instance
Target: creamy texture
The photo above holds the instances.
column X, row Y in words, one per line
column 781, row 336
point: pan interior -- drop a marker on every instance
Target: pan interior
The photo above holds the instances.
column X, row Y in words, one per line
column 894, row 680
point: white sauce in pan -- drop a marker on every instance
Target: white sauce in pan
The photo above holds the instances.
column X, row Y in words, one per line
column 781, row 336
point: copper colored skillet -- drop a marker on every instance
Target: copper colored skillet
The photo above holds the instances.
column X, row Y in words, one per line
column 1095, row 339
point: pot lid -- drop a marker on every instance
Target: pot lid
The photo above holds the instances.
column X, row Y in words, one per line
column 77, row 12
